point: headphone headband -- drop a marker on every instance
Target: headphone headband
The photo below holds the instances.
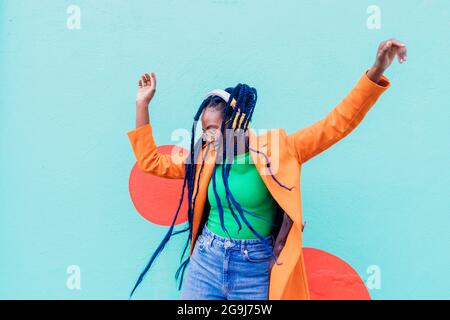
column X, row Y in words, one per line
column 223, row 94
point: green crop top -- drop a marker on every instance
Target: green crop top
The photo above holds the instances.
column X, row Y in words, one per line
column 250, row 192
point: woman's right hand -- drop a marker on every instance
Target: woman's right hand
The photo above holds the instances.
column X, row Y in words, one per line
column 146, row 89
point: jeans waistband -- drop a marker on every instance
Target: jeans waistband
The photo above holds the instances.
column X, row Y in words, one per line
column 237, row 243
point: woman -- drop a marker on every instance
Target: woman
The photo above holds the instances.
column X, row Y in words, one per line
column 244, row 213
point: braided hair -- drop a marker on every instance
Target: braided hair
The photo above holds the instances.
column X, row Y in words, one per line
column 237, row 113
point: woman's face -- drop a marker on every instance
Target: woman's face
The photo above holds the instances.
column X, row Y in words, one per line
column 211, row 122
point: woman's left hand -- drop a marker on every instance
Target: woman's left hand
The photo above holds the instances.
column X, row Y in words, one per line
column 386, row 53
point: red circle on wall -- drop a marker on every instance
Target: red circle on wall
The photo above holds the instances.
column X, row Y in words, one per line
column 331, row 278
column 155, row 198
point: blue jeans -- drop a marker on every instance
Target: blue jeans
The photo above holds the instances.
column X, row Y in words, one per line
column 227, row 269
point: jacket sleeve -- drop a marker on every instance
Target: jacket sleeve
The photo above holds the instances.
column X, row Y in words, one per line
column 150, row 160
column 312, row 140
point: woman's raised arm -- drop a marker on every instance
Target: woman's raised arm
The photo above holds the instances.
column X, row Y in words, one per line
column 147, row 156
column 312, row 140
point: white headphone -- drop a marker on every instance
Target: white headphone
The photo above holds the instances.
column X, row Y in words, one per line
column 219, row 92
column 223, row 94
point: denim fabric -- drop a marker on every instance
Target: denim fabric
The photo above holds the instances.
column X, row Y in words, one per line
column 227, row 269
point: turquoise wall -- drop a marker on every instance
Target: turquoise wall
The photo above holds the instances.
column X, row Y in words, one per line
column 378, row 197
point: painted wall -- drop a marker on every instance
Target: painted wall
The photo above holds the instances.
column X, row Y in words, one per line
column 378, row 199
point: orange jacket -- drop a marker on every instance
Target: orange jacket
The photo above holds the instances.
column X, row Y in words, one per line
column 286, row 154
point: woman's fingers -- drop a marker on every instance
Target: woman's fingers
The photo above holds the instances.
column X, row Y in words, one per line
column 400, row 48
column 154, row 79
column 401, row 56
column 402, row 53
column 392, row 48
column 397, row 43
column 144, row 80
column 147, row 80
column 385, row 47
